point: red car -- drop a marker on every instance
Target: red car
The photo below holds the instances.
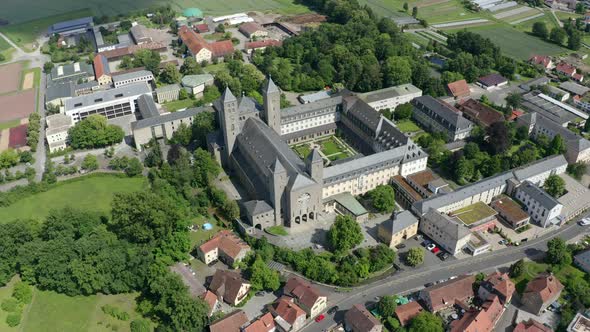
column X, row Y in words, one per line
column 435, row 250
column 320, row 318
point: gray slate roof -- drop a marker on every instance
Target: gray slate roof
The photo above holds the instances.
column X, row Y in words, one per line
column 271, row 87
column 364, row 113
column 539, row 195
column 132, row 75
column 553, row 112
column 158, row 120
column 61, row 90
column 526, row 172
column 130, row 90
column 444, row 111
column 387, row 93
column 400, row 221
column 573, row 141
column 574, row 88
column 452, row 229
column 311, row 107
column 373, row 162
column 147, row 106
column 257, row 207
column 527, row 86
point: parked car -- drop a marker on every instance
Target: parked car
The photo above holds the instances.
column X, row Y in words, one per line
column 333, row 310
column 418, row 237
column 584, row 222
column 428, row 284
column 430, row 246
column 400, row 246
column 320, row 318
column 260, row 293
column 435, row 250
column 426, row 243
column 444, row 256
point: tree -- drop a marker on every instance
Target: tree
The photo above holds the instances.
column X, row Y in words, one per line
column 580, row 8
column 426, row 322
column 450, row 76
column 203, row 124
column 90, row 163
column 406, row 7
column 403, row 111
column 230, row 210
column 262, row 277
column 182, row 135
column 513, row 100
column 415, row 256
column 499, row 137
column 47, row 67
column 170, row 74
column 94, row 132
column 22, row 292
column 220, row 28
column 125, row 25
column 190, row 67
column 387, row 305
column 574, row 42
column 554, row 186
column 557, row 253
column 557, row 35
column 383, row 198
column 415, row 12
column 134, row 167
column 540, row 30
column 344, row 234
column 522, row 133
column 397, row 70
column 140, row 325
column 517, row 269
column 577, row 170
column 149, row 59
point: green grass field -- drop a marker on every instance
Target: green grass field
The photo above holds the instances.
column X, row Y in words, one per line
column 201, row 235
column 89, row 193
column 334, row 149
column 532, row 269
column 474, row 212
column 277, row 230
column 173, row 106
column 407, row 126
column 432, row 11
column 516, row 43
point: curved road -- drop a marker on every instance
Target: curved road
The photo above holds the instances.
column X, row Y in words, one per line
column 410, row 280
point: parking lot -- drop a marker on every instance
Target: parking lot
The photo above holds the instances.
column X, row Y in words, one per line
column 429, row 257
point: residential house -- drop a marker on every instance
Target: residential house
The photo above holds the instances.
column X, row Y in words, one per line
column 406, row 312
column 580, row 323
column 230, row 323
column 542, row 207
column 498, row 284
column 264, row 323
column 102, row 71
column 400, row 227
column 226, row 246
column 582, row 260
column 480, row 113
column 359, row 319
column 531, row 326
column 253, row 30
column 261, row 45
column 483, row 320
column 459, row 89
column 446, row 294
column 229, row 286
column 510, row 212
column 211, row 299
column 288, row 315
column 438, row 116
column 491, row 81
column 307, row 296
column 568, row 70
column 544, row 61
column 541, row 292
column 202, row 50
column 449, row 233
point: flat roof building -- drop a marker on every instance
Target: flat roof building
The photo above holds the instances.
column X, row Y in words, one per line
column 56, row 133
column 391, row 97
column 120, row 80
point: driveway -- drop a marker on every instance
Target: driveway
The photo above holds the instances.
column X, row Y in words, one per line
column 196, row 288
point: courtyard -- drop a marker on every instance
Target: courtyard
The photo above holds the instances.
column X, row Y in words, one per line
column 331, row 149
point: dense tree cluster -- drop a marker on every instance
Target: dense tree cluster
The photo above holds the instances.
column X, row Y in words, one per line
column 382, row 198
column 554, row 186
column 94, row 132
column 33, row 130
column 344, row 234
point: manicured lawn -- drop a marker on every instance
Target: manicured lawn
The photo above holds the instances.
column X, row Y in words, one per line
column 201, row 235
column 92, row 193
column 516, row 43
column 302, row 150
column 474, row 212
column 216, row 68
column 330, row 147
column 407, row 126
column 277, row 230
column 532, row 269
column 175, row 105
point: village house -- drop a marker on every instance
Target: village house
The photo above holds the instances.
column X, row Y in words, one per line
column 226, row 246
column 306, row 296
column 359, row 319
column 446, row 294
column 230, row 323
column 541, row 292
column 229, row 286
column 288, row 315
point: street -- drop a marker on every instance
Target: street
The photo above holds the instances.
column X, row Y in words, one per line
column 403, row 282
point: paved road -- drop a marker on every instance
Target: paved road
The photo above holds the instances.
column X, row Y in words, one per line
column 406, row 281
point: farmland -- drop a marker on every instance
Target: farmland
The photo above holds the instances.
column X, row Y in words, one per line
column 434, row 11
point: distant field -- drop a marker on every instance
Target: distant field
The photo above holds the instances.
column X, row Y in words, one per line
column 92, row 193
column 434, row 11
column 18, row 11
column 516, row 43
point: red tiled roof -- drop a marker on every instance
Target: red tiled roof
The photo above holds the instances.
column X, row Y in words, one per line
column 546, row 285
column 407, row 311
column 515, row 114
column 221, row 48
column 483, row 320
column 542, row 60
column 211, row 299
column 446, row 293
column 566, row 69
column 202, row 27
column 288, row 310
column 480, row 113
column 195, row 43
column 17, row 137
column 266, row 323
column 578, row 77
column 531, row 326
column 459, row 88
column 303, row 291
column 230, row 323
column 227, row 242
column 130, row 50
column 262, row 43
column 100, row 65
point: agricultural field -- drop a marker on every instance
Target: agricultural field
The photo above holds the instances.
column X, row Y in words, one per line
column 93, row 193
column 515, row 43
column 434, row 11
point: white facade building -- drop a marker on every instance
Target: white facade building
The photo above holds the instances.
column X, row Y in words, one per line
column 543, row 209
column 56, row 133
column 133, row 77
column 391, row 97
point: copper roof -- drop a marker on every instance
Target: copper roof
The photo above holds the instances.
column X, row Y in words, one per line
column 227, row 242
column 303, row 291
column 265, row 323
column 407, row 311
column 546, row 285
column 230, row 323
column 459, row 88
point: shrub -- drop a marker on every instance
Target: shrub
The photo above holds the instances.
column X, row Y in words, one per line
column 9, row 305
column 140, row 325
column 13, row 320
column 115, row 312
column 23, row 293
